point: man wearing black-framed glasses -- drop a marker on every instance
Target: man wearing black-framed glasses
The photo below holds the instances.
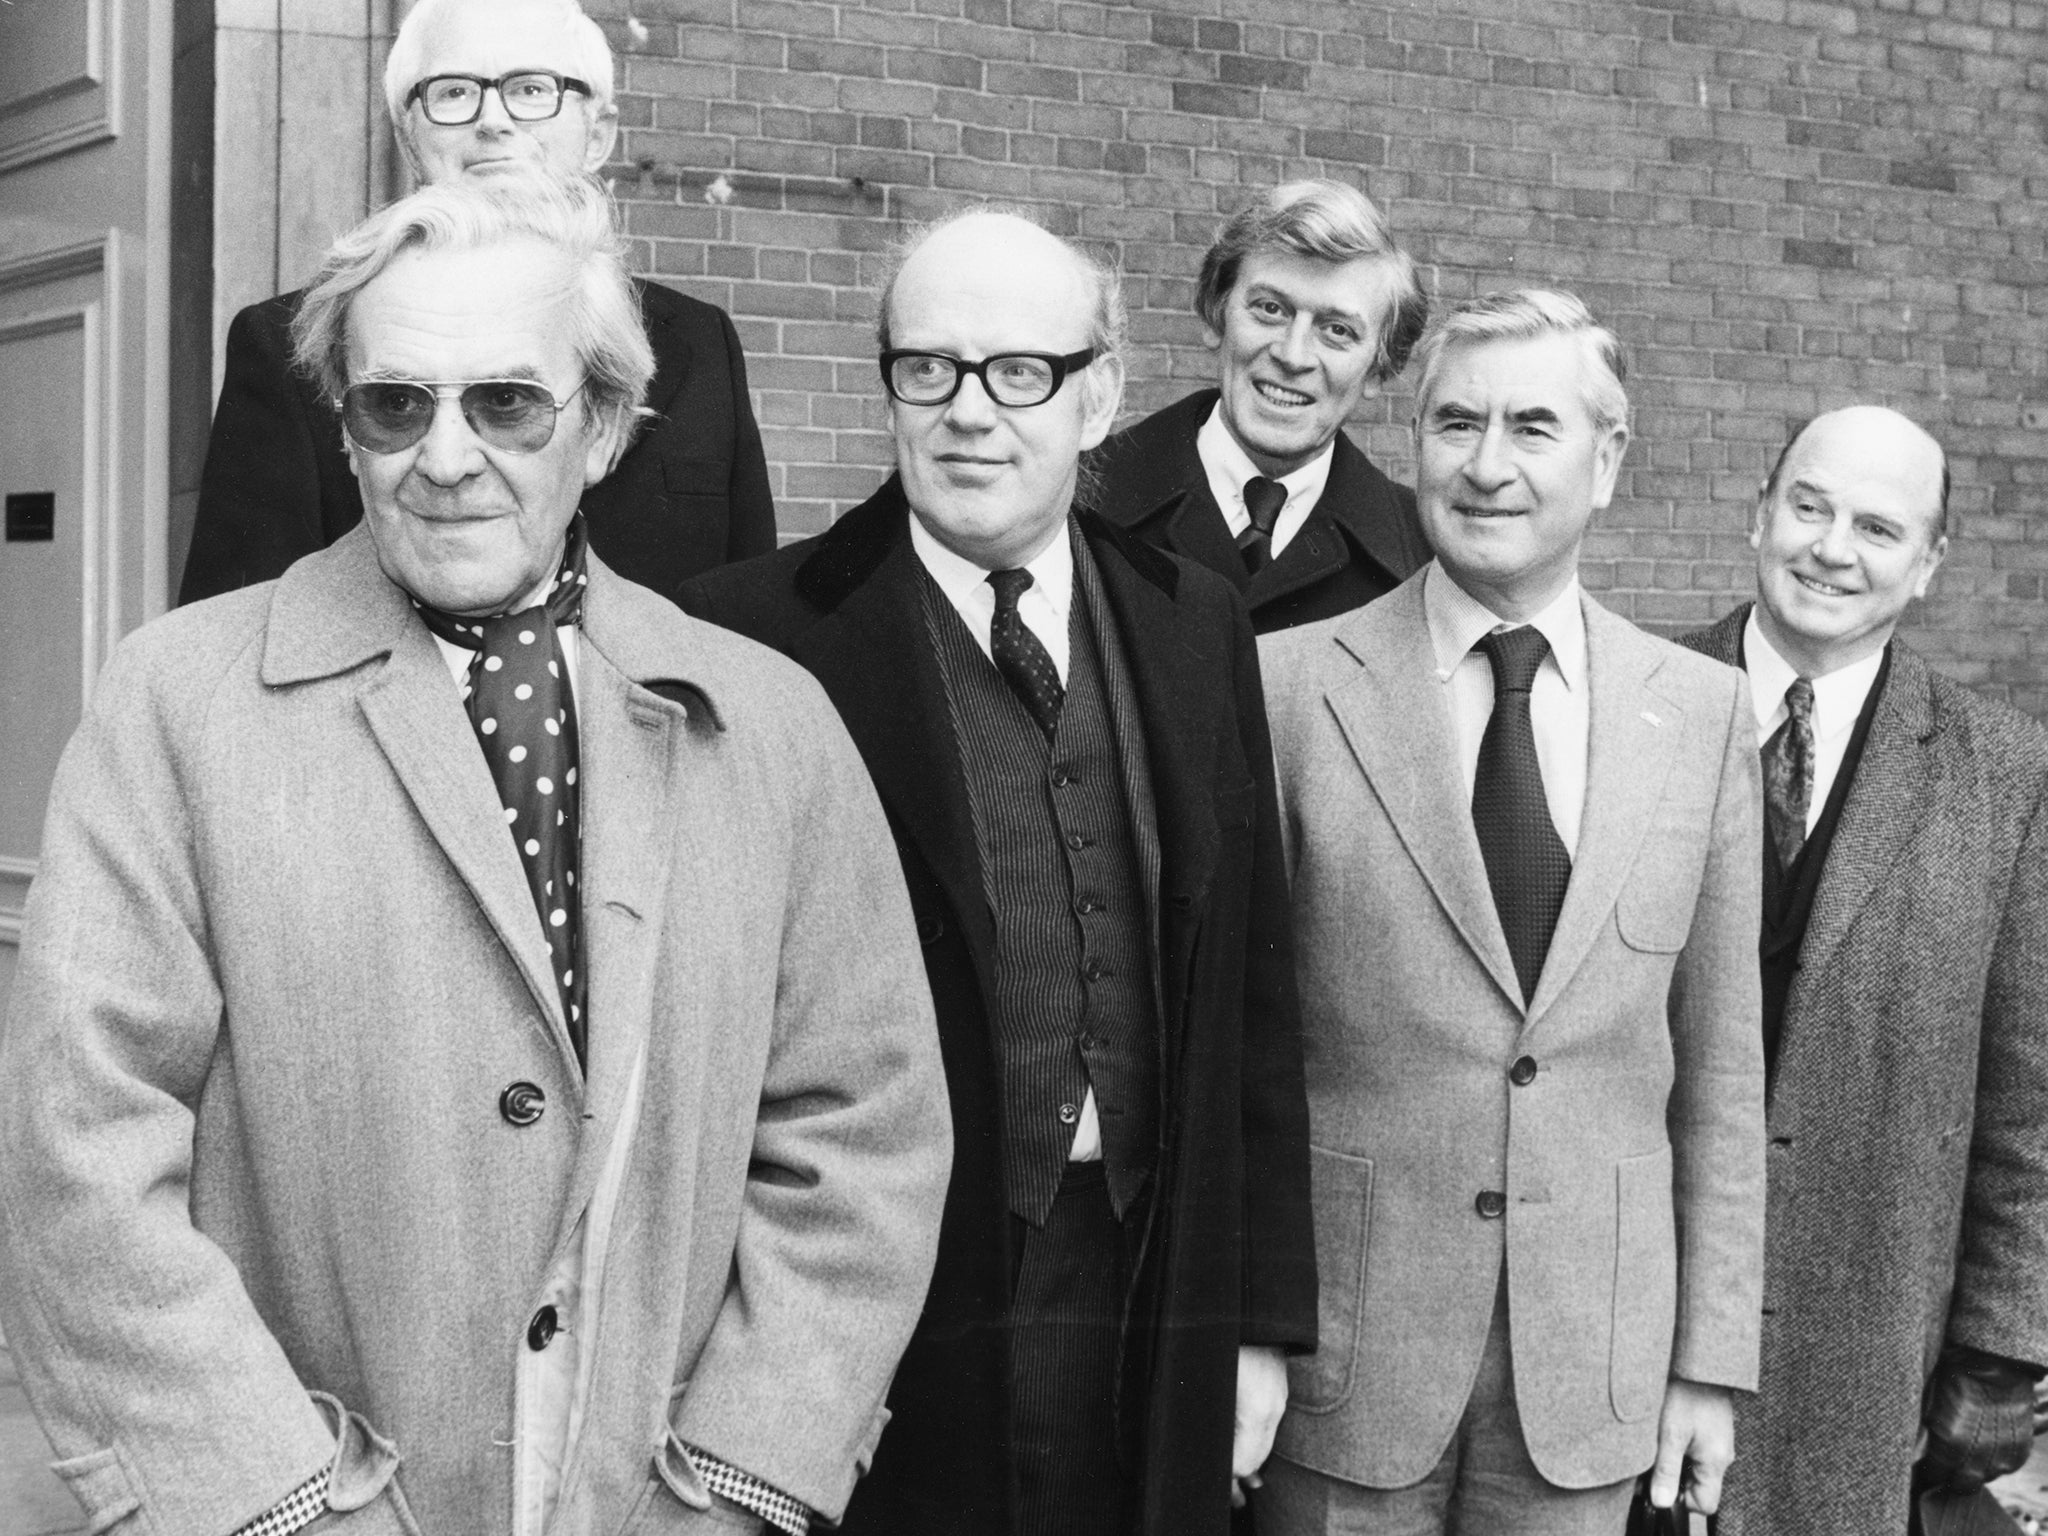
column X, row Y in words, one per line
column 1068, row 734
column 493, row 91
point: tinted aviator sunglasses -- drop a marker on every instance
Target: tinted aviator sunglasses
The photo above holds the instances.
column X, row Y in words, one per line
column 512, row 415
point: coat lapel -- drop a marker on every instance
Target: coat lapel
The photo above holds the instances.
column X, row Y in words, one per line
column 338, row 610
column 637, row 747
column 1887, row 803
column 1397, row 723
column 1630, row 738
column 1361, row 501
column 874, row 657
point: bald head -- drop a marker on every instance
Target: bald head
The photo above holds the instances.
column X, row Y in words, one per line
column 1849, row 531
column 1905, row 445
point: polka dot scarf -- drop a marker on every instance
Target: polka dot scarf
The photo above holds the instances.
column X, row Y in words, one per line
column 520, row 703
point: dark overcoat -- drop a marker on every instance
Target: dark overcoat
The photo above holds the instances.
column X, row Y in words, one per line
column 1362, row 540
column 689, row 493
column 1229, row 1256
column 1908, row 1167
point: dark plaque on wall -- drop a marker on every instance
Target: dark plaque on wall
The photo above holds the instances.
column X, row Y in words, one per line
column 31, row 517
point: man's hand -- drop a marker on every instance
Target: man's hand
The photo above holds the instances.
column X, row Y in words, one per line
column 1261, row 1399
column 1980, row 1418
column 1695, row 1435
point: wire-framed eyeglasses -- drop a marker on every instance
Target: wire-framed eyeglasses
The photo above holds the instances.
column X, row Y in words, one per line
column 530, row 96
column 390, row 415
column 1010, row 378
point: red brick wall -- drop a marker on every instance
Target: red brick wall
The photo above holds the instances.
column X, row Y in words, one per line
column 1781, row 205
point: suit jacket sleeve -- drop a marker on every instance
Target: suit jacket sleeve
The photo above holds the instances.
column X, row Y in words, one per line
column 260, row 494
column 150, row 1369
column 1716, row 1114
column 1279, row 1241
column 2001, row 1290
column 752, row 506
column 851, row 1154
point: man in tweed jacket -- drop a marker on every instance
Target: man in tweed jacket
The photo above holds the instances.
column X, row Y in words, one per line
column 1905, row 980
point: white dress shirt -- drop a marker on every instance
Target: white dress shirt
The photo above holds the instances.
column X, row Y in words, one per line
column 1559, row 712
column 1838, row 699
column 1229, row 466
column 1044, row 608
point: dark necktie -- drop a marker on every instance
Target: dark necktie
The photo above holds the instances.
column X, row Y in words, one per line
column 1526, row 862
column 519, row 702
column 1263, row 499
column 1788, row 775
column 1020, row 657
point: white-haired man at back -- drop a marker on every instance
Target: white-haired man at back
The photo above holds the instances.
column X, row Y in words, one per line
column 486, row 91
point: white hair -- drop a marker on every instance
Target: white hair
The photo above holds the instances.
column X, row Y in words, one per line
column 589, row 56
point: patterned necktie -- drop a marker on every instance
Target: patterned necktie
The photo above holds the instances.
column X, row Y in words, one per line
column 1526, row 862
column 1020, row 657
column 1263, row 499
column 1788, row 775
column 520, row 704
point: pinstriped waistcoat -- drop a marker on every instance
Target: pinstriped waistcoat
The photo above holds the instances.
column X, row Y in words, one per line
column 1074, row 1003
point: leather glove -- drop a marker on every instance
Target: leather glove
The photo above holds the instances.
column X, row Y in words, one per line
column 1979, row 1417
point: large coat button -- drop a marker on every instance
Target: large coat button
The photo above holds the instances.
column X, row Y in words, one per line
column 540, row 1333
column 1523, row 1072
column 522, row 1103
column 1491, row 1204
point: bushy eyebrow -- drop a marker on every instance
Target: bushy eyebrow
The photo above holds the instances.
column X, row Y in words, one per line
column 1531, row 415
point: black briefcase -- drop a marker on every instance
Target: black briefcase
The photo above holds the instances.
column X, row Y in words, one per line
column 1646, row 1519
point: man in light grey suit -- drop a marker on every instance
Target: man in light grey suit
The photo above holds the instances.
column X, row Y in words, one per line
column 1521, row 841
column 471, row 1069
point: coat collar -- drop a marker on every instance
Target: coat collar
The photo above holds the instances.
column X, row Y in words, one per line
column 1361, row 514
column 1632, row 735
column 1887, row 805
column 853, row 549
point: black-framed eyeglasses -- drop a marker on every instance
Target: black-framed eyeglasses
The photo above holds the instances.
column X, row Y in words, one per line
column 530, row 96
column 390, row 415
column 1010, row 378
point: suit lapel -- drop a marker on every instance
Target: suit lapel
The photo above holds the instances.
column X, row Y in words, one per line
column 874, row 657
column 1630, row 739
column 1398, row 725
column 1887, row 803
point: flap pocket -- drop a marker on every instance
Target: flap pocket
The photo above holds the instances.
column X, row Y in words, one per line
column 1340, row 1188
column 1654, row 911
column 99, row 1481
column 1645, row 1285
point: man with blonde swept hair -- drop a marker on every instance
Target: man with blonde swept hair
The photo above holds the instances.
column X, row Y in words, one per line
column 1067, row 733
column 1521, row 845
column 470, row 1069
column 491, row 91
column 1310, row 307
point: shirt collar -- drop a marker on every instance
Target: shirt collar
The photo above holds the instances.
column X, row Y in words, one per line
column 1837, row 698
column 1219, row 450
column 1457, row 620
column 1052, row 570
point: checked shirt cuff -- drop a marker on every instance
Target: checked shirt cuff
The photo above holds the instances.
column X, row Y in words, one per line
column 750, row 1493
column 300, row 1508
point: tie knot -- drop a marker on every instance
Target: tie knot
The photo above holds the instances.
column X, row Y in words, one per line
column 1515, row 655
column 1009, row 587
column 1799, row 700
column 1263, row 499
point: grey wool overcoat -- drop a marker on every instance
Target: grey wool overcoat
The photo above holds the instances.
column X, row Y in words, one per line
column 260, row 1211
column 1908, row 1120
column 1601, row 1145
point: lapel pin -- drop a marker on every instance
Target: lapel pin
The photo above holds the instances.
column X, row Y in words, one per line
column 1647, row 715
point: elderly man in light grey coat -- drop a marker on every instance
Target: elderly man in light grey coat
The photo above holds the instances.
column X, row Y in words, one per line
column 471, row 1070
